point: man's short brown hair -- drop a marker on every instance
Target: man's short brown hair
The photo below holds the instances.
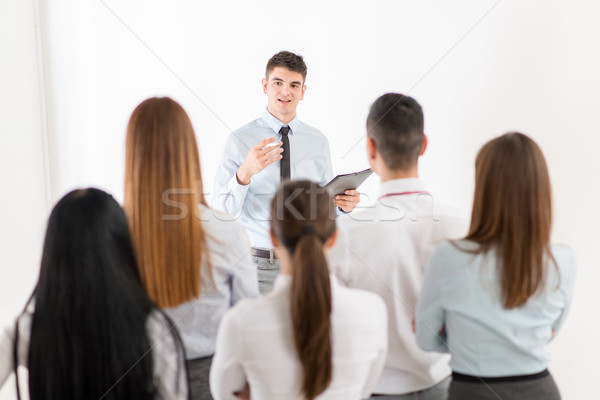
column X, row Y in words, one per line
column 289, row 60
column 395, row 123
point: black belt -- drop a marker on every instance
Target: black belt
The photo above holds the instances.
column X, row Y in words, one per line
column 496, row 379
column 263, row 253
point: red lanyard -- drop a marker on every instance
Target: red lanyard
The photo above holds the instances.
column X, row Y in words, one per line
column 403, row 194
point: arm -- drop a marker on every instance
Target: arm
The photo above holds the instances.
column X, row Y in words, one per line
column 7, row 341
column 226, row 372
column 379, row 362
column 234, row 175
column 244, row 279
column 430, row 315
column 567, row 280
column 168, row 360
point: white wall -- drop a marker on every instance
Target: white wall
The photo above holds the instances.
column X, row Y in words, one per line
column 479, row 68
column 23, row 203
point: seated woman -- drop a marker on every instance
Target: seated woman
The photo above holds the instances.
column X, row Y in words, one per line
column 194, row 262
column 495, row 299
column 309, row 337
column 90, row 331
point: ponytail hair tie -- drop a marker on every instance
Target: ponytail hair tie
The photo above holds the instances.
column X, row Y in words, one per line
column 306, row 230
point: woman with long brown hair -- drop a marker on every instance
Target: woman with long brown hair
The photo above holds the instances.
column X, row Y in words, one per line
column 496, row 298
column 309, row 337
column 194, row 262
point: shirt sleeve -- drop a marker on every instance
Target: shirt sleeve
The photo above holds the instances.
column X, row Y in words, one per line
column 337, row 257
column 168, row 362
column 379, row 362
column 226, row 372
column 430, row 315
column 567, row 280
column 328, row 168
column 229, row 195
column 244, row 279
column 6, row 346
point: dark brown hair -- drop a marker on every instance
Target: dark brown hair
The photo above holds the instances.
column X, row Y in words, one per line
column 303, row 219
column 162, row 171
column 395, row 123
column 512, row 213
column 289, row 60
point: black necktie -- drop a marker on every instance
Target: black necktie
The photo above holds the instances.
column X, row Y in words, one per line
column 285, row 161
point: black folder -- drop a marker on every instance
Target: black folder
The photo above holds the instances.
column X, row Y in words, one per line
column 347, row 181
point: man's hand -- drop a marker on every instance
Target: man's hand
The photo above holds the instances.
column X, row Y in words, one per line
column 258, row 158
column 348, row 200
column 243, row 394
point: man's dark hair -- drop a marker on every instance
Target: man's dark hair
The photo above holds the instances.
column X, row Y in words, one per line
column 289, row 60
column 395, row 123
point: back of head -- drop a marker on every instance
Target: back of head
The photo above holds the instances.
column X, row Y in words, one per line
column 163, row 190
column 395, row 123
column 88, row 327
column 303, row 219
column 286, row 59
column 512, row 213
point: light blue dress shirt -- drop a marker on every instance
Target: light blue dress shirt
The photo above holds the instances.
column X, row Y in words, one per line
column 461, row 293
column 309, row 158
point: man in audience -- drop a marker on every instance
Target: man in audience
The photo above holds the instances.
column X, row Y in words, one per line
column 268, row 150
column 384, row 249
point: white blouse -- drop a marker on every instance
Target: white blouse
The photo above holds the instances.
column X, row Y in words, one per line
column 255, row 345
column 234, row 278
column 168, row 368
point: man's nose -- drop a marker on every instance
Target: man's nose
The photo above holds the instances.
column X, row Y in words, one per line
column 284, row 89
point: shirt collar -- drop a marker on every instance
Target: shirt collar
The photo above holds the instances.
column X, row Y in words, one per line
column 405, row 185
column 276, row 124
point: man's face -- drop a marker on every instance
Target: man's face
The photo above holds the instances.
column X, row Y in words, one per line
column 284, row 89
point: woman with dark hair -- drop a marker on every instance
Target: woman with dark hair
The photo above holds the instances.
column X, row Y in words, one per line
column 89, row 330
column 309, row 337
column 496, row 298
column 194, row 262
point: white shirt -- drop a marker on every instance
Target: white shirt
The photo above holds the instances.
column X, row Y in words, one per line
column 168, row 368
column 256, row 345
column 384, row 249
column 462, row 293
column 234, row 278
column 309, row 159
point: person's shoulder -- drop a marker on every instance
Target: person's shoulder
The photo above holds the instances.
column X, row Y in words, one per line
column 565, row 258
column 308, row 129
column 358, row 299
column 249, row 128
column 219, row 221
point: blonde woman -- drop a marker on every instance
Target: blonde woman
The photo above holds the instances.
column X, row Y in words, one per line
column 194, row 262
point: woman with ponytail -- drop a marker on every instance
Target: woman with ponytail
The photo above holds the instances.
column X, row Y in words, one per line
column 309, row 338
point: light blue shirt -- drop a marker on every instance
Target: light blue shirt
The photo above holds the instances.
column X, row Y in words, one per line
column 309, row 159
column 461, row 293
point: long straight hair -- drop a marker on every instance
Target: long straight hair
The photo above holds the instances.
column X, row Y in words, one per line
column 303, row 218
column 163, row 192
column 88, row 335
column 512, row 213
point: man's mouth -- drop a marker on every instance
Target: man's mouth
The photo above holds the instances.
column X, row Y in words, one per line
column 284, row 101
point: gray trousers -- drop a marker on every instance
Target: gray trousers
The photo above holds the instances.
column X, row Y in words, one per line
column 535, row 389
column 267, row 272
column 437, row 392
column 198, row 370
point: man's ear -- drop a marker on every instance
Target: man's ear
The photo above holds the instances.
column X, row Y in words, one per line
column 264, row 85
column 303, row 90
column 371, row 149
column 424, row 145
